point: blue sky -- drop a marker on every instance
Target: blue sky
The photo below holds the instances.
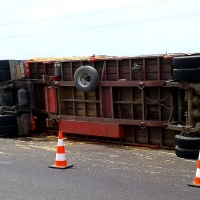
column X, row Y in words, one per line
column 50, row 28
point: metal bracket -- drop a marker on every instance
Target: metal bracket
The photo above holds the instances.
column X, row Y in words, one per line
column 49, row 80
column 141, row 85
column 186, row 129
column 143, row 125
column 183, row 85
column 45, row 79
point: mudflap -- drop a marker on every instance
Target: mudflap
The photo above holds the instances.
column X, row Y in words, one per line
column 24, row 124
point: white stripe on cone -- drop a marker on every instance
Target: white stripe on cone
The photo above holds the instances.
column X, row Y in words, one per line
column 60, row 142
column 60, row 156
column 198, row 173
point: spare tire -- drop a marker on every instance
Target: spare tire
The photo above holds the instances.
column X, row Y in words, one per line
column 86, row 78
column 187, row 142
column 186, row 153
column 185, row 62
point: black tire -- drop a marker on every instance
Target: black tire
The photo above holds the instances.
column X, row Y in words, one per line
column 185, row 62
column 8, row 120
column 186, row 153
column 187, row 142
column 86, row 78
column 5, row 75
column 4, row 65
column 186, row 74
column 11, row 130
column 6, row 97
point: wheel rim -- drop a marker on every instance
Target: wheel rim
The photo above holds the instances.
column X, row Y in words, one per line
column 84, row 79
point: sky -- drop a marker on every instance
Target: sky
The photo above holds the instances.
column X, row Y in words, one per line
column 62, row 28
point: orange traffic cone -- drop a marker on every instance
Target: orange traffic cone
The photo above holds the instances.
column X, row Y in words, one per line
column 196, row 182
column 60, row 161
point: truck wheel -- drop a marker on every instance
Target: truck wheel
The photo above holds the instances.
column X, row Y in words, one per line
column 4, row 65
column 185, row 62
column 86, row 78
column 186, row 153
column 11, row 130
column 186, row 74
column 8, row 120
column 5, row 75
column 187, row 142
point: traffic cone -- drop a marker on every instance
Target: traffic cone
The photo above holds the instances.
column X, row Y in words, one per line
column 196, row 182
column 60, row 161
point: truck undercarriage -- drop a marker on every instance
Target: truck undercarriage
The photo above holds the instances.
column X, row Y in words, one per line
column 16, row 99
column 185, row 118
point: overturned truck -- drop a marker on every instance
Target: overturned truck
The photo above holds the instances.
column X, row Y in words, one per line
column 149, row 100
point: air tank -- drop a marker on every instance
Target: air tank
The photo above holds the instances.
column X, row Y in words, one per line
column 17, row 85
column 22, row 97
column 51, row 102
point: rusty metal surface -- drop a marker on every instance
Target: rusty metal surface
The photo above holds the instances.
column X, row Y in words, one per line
column 93, row 129
column 16, row 69
column 24, row 124
column 131, row 68
column 187, row 113
column 130, row 93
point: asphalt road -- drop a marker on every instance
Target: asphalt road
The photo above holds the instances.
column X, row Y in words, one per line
column 100, row 172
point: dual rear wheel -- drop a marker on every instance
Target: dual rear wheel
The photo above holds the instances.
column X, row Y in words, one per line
column 187, row 147
column 186, row 68
column 4, row 70
column 8, row 125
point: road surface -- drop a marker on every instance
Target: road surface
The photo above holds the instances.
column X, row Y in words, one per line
column 100, row 172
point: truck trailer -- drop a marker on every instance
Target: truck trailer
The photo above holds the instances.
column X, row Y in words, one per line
column 106, row 98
